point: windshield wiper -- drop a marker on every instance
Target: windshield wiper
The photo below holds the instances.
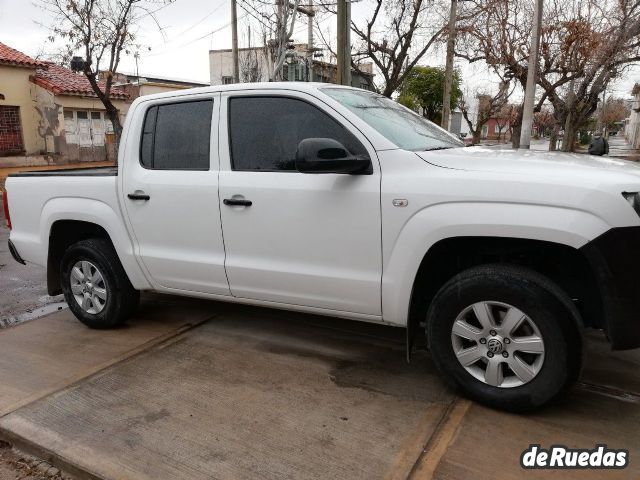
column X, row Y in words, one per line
column 436, row 148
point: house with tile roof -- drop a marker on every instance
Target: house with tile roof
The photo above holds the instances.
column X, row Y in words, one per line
column 50, row 114
column 71, row 116
column 18, row 117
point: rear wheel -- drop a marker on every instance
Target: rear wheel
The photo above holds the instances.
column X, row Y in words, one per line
column 505, row 336
column 96, row 286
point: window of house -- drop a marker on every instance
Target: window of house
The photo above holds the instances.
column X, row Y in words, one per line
column 227, row 80
column 264, row 141
column 86, row 128
column 177, row 136
column 498, row 128
column 10, row 130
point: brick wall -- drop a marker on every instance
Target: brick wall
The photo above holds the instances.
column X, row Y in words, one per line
column 10, row 130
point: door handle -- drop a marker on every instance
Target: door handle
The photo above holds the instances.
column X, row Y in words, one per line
column 138, row 196
column 237, row 202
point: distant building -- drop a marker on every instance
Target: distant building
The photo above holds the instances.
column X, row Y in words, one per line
column 496, row 129
column 633, row 125
column 254, row 68
column 140, row 85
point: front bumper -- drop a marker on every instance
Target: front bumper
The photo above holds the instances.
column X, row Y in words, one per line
column 615, row 260
column 14, row 253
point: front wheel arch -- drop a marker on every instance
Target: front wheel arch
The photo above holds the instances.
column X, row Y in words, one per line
column 565, row 266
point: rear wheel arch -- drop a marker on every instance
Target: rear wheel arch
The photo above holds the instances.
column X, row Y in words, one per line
column 63, row 234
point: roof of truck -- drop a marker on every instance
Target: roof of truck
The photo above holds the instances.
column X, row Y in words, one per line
column 296, row 86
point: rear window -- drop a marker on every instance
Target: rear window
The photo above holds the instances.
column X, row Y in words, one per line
column 177, row 136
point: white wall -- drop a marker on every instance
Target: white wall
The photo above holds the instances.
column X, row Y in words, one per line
column 221, row 65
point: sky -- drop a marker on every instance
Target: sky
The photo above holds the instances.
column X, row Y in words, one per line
column 190, row 28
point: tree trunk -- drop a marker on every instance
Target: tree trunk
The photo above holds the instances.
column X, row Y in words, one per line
column 516, row 129
column 114, row 116
column 553, row 139
column 515, row 136
column 568, row 142
column 475, row 139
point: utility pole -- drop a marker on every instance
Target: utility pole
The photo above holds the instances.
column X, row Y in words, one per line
column 448, row 73
column 530, row 92
column 343, row 52
column 310, row 13
column 602, row 120
column 310, row 16
column 234, row 42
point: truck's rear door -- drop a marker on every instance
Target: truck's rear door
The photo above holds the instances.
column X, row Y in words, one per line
column 170, row 192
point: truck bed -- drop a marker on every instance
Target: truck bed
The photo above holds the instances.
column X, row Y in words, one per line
column 70, row 172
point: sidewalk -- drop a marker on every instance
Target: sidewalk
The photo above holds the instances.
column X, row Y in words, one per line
column 619, row 148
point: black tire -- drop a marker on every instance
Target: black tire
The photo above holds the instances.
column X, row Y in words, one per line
column 121, row 298
column 557, row 320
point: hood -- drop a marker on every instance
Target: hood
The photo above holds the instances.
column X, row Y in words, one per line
column 527, row 162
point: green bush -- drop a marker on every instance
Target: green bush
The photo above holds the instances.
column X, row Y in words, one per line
column 585, row 138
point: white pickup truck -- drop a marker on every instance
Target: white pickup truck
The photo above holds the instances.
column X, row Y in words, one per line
column 338, row 201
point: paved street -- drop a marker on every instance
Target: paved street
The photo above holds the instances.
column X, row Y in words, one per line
column 618, row 147
column 208, row 390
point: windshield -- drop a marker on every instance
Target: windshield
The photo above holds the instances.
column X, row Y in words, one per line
column 403, row 127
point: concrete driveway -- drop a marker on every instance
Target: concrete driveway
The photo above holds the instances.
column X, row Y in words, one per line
column 207, row 390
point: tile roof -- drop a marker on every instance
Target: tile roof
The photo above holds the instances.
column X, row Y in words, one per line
column 62, row 81
column 10, row 56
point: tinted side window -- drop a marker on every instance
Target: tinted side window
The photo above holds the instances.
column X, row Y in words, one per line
column 176, row 136
column 265, row 131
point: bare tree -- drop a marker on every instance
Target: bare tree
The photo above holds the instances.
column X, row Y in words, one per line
column 395, row 37
column 250, row 66
column 100, row 31
column 488, row 106
column 276, row 22
column 584, row 45
column 545, row 121
column 613, row 112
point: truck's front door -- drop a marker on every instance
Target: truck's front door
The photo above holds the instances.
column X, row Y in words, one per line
column 306, row 239
column 170, row 192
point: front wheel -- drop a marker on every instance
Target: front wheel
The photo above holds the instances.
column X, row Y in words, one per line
column 96, row 286
column 505, row 336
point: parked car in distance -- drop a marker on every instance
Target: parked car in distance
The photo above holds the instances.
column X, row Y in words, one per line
column 339, row 201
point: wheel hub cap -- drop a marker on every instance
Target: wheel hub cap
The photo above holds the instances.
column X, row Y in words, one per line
column 88, row 287
column 498, row 344
column 494, row 345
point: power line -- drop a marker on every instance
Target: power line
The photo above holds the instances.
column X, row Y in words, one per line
column 220, row 5
column 222, row 27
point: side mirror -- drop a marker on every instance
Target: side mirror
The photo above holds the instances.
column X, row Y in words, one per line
column 326, row 155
